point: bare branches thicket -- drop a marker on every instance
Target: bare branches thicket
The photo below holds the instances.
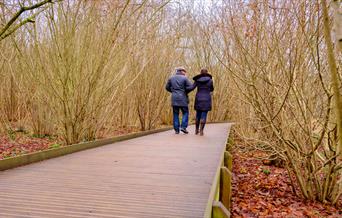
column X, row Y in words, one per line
column 275, row 55
column 78, row 75
column 91, row 70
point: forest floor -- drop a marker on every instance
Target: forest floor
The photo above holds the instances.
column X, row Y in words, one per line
column 20, row 143
column 266, row 191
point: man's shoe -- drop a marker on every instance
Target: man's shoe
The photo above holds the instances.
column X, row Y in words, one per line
column 177, row 132
column 184, row 131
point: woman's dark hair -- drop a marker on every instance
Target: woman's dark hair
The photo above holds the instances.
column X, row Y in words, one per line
column 204, row 71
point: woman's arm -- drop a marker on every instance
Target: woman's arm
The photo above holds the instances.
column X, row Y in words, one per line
column 211, row 86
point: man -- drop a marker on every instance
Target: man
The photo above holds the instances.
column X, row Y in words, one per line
column 180, row 86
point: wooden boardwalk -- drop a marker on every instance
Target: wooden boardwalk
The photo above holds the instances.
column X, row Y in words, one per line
column 159, row 175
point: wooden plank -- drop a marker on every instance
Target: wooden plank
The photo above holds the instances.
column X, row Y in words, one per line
column 145, row 177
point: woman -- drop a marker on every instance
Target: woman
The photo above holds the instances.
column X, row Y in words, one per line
column 204, row 84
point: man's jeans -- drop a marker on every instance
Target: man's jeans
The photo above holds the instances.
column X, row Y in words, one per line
column 185, row 117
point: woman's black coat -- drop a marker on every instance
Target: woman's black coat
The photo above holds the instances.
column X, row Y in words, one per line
column 205, row 86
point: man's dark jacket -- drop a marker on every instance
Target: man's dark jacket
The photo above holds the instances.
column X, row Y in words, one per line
column 179, row 86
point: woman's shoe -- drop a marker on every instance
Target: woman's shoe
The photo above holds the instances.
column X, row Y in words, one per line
column 197, row 127
column 202, row 124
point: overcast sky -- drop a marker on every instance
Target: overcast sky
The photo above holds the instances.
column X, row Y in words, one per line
column 197, row 5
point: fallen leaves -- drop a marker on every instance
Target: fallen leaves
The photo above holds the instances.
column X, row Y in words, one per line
column 266, row 191
column 20, row 143
column 23, row 144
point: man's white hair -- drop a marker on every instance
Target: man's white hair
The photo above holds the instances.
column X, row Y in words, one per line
column 180, row 69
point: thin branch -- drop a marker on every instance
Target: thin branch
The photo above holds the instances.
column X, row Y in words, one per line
column 17, row 15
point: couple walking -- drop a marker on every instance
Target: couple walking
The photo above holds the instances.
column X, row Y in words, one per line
column 179, row 85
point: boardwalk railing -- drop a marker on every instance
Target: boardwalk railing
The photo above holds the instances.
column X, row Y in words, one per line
column 220, row 196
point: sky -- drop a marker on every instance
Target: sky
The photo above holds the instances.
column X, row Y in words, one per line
column 196, row 5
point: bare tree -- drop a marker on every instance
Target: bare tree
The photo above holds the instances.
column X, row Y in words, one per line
column 13, row 24
column 336, row 84
column 337, row 7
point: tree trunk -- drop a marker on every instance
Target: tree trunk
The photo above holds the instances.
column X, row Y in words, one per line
column 334, row 78
column 336, row 4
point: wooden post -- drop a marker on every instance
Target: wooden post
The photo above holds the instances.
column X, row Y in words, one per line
column 228, row 161
column 219, row 210
column 225, row 187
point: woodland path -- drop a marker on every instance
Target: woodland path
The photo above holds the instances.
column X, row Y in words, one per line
column 159, row 175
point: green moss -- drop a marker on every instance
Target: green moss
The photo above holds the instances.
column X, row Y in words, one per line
column 56, row 145
column 230, row 143
column 266, row 171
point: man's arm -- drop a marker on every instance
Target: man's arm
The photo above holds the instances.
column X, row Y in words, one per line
column 168, row 86
column 189, row 86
